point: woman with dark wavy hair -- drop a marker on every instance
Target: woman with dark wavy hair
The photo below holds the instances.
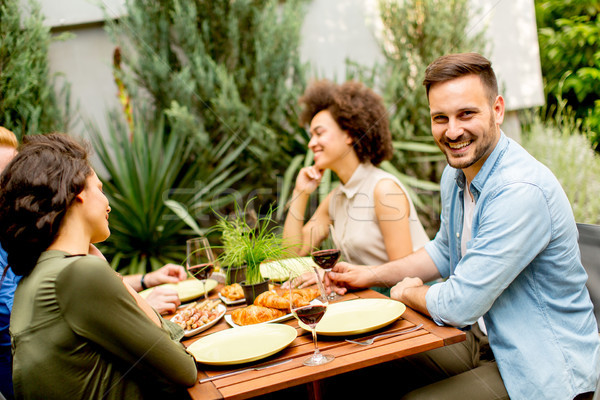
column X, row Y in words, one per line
column 78, row 330
column 374, row 219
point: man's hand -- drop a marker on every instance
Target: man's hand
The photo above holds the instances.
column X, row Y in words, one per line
column 411, row 292
column 170, row 273
column 397, row 292
column 303, row 281
column 163, row 300
column 346, row 276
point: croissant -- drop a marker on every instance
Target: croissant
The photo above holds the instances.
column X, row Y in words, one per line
column 272, row 300
column 255, row 315
column 233, row 292
column 301, row 297
column 309, row 294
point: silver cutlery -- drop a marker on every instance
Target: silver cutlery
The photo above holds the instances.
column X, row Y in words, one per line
column 371, row 340
column 257, row 368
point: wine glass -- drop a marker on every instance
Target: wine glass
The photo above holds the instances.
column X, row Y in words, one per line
column 310, row 314
column 200, row 261
column 324, row 252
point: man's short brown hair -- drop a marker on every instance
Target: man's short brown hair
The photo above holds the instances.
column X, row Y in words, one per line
column 357, row 110
column 454, row 66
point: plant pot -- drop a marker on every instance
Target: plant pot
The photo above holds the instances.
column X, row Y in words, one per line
column 235, row 274
column 251, row 292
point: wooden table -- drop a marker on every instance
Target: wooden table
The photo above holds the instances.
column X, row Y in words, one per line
column 348, row 357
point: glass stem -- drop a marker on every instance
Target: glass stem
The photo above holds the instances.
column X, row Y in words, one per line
column 314, row 335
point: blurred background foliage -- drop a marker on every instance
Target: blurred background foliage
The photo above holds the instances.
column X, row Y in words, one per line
column 31, row 99
column 221, row 77
column 415, row 33
column 569, row 36
column 567, row 151
column 209, row 111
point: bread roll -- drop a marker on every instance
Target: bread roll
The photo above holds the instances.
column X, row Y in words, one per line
column 272, row 300
column 233, row 292
column 255, row 314
column 301, row 297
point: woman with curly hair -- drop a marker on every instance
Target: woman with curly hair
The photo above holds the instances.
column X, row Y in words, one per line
column 374, row 219
column 78, row 330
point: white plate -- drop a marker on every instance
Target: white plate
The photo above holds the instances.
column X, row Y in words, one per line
column 279, row 271
column 220, row 308
column 231, row 302
column 354, row 317
column 280, row 319
column 187, row 290
column 244, row 344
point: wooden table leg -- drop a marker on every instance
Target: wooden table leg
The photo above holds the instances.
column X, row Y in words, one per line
column 314, row 390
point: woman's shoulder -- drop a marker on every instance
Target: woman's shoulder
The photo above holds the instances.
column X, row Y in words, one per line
column 374, row 175
column 384, row 182
column 85, row 271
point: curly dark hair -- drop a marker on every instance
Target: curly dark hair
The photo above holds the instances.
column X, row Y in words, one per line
column 358, row 110
column 36, row 190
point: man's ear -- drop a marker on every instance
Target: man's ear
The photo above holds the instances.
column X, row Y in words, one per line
column 498, row 108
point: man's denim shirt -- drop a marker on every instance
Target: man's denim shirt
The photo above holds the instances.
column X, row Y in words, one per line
column 521, row 272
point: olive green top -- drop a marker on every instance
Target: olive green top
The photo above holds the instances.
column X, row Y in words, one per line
column 77, row 333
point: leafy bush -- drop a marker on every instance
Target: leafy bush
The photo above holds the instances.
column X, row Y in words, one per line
column 218, row 83
column 560, row 145
column 148, row 172
column 142, row 173
column 569, row 32
column 233, row 65
column 28, row 103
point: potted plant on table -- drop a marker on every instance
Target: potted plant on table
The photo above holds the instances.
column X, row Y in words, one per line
column 249, row 246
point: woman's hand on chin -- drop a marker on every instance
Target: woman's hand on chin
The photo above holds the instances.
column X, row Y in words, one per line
column 308, row 179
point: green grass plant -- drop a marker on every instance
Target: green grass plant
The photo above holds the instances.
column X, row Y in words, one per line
column 567, row 152
column 243, row 244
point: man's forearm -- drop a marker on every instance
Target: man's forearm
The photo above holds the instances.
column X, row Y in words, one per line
column 417, row 264
column 414, row 297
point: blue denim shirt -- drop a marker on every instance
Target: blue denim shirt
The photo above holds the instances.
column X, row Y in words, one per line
column 522, row 272
column 7, row 292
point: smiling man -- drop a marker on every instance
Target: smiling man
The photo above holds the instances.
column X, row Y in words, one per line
column 507, row 246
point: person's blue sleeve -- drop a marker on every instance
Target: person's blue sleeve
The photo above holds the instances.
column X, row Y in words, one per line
column 514, row 227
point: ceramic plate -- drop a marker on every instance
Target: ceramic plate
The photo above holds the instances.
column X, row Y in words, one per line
column 355, row 317
column 280, row 319
column 220, row 308
column 241, row 345
column 187, row 290
column 279, row 271
column 231, row 302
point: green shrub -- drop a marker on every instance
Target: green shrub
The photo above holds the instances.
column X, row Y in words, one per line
column 233, row 65
column 569, row 32
column 568, row 153
column 28, row 103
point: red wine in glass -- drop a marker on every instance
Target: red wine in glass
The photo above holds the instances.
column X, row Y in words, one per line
column 311, row 314
column 202, row 271
column 326, row 259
